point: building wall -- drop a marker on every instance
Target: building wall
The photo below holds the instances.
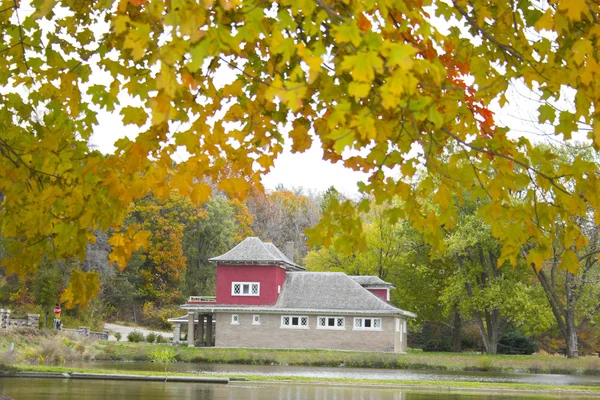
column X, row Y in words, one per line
column 269, row 334
column 270, row 277
column 381, row 293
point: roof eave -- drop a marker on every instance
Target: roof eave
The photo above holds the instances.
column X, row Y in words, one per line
column 279, row 310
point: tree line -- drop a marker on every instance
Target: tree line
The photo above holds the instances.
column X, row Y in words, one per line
column 464, row 295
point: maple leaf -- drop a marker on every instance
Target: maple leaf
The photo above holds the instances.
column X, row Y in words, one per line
column 134, row 115
column 82, row 287
column 362, row 67
column 575, row 9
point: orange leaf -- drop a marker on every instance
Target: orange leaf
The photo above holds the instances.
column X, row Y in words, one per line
column 363, row 23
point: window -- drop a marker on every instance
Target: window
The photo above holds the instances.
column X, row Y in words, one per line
column 256, row 320
column 235, row 319
column 331, row 322
column 245, row 288
column 292, row 321
column 373, row 324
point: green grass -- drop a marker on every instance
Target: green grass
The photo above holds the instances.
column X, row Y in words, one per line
column 48, row 347
column 591, row 390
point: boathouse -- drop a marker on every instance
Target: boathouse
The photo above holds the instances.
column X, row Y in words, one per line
column 265, row 300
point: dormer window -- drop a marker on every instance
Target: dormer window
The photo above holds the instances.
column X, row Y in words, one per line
column 245, row 288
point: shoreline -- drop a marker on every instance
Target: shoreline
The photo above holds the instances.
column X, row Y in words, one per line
column 59, row 372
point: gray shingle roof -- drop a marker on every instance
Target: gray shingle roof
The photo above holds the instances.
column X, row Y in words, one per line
column 330, row 291
column 254, row 250
column 371, row 281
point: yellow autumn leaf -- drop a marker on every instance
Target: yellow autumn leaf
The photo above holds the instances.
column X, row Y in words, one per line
column 83, row 286
column 200, row 193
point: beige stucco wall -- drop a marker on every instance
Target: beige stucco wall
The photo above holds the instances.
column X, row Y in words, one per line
column 270, row 334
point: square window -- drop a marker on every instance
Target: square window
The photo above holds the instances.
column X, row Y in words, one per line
column 236, row 288
column 245, row 288
column 340, row 322
column 330, row 321
column 367, row 323
column 358, row 323
column 322, row 321
column 304, row 321
column 295, row 321
column 235, row 319
column 286, row 321
column 377, row 323
column 255, row 289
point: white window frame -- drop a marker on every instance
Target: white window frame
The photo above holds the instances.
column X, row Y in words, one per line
column 361, row 326
column 290, row 319
column 235, row 319
column 241, row 289
column 256, row 319
column 335, row 326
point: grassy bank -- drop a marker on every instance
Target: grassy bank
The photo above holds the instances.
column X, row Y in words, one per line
column 47, row 347
column 587, row 391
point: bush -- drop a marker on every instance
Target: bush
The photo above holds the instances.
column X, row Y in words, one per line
column 151, row 337
column 436, row 337
column 158, row 318
column 515, row 342
column 118, row 336
column 161, row 339
column 135, row 336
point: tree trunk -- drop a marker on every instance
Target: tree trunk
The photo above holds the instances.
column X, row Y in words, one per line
column 493, row 328
column 456, row 333
column 571, row 339
column 482, row 332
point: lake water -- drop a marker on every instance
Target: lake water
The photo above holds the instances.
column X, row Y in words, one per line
column 65, row 389
column 355, row 373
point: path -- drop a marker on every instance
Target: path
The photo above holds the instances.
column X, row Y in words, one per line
column 125, row 330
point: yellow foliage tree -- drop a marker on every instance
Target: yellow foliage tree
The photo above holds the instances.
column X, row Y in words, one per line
column 376, row 77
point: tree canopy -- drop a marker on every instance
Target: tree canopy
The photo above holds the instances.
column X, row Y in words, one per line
column 380, row 78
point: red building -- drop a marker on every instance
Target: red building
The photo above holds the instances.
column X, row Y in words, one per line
column 265, row 300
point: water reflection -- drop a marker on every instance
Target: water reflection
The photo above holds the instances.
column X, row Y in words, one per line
column 64, row 389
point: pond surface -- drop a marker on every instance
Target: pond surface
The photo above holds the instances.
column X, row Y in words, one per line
column 354, row 373
column 65, row 389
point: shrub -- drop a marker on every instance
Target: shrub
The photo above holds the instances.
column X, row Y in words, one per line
column 151, row 337
column 118, row 336
column 135, row 336
column 156, row 317
column 436, row 337
column 515, row 342
column 164, row 355
column 161, row 339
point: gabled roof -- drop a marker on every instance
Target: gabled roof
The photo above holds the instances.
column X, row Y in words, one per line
column 329, row 291
column 370, row 281
column 252, row 250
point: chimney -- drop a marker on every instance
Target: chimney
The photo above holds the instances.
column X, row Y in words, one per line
column 288, row 250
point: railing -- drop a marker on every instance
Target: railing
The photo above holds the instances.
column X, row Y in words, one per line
column 202, row 299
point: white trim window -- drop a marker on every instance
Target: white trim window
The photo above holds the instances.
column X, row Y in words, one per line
column 367, row 324
column 235, row 319
column 245, row 288
column 256, row 319
column 327, row 322
column 294, row 321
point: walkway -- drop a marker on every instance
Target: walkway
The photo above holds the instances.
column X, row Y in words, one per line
column 125, row 330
